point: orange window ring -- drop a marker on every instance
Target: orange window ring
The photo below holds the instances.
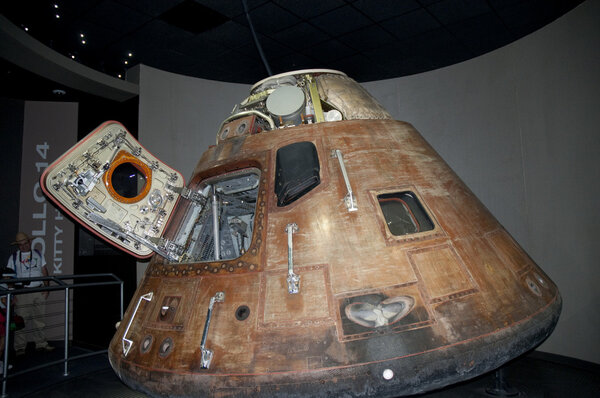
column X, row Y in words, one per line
column 128, row 179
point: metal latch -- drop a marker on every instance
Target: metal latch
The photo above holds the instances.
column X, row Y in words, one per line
column 84, row 182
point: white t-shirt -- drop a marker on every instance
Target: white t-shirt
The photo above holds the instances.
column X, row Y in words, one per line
column 27, row 265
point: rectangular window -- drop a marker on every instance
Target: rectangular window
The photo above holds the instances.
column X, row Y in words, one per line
column 403, row 213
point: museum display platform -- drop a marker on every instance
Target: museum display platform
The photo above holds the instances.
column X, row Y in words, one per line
column 533, row 375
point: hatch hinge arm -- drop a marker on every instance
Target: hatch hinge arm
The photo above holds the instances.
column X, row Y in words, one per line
column 196, row 197
column 164, row 247
column 161, row 246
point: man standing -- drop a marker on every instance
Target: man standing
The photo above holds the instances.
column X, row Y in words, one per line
column 28, row 263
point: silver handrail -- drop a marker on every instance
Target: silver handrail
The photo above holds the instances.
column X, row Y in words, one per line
column 127, row 343
column 206, row 354
column 349, row 199
column 293, row 280
column 62, row 283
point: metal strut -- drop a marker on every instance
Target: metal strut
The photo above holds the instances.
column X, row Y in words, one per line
column 215, row 220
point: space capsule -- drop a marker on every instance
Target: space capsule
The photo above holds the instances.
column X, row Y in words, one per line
column 320, row 249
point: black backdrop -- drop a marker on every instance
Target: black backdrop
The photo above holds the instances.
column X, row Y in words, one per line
column 96, row 310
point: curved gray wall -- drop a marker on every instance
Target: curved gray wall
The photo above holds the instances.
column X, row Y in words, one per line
column 519, row 125
column 179, row 115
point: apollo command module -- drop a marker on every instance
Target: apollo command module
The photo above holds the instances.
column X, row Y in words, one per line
column 320, row 249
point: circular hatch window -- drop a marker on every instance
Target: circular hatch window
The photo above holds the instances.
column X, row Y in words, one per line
column 128, row 178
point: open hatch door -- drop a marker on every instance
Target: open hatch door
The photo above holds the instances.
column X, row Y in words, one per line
column 117, row 189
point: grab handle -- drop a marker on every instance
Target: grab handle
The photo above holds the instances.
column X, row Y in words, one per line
column 207, row 354
column 127, row 344
column 293, row 280
column 349, row 199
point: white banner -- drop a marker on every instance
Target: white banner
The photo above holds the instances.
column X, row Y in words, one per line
column 49, row 129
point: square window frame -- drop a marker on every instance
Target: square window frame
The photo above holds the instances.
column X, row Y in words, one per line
column 391, row 239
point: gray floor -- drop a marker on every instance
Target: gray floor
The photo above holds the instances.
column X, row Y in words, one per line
column 87, row 377
column 533, row 375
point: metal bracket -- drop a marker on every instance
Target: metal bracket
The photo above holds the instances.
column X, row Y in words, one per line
column 293, row 280
column 127, row 344
column 207, row 354
column 166, row 248
column 193, row 196
column 94, row 205
column 315, row 99
column 349, row 199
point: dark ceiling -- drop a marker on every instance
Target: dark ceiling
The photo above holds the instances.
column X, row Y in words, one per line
column 212, row 39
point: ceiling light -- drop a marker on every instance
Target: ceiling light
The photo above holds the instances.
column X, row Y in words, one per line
column 81, row 35
column 82, row 41
column 58, row 92
column 130, row 55
column 73, row 57
column 55, row 5
column 126, row 62
column 57, row 16
column 119, row 75
column 26, row 28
